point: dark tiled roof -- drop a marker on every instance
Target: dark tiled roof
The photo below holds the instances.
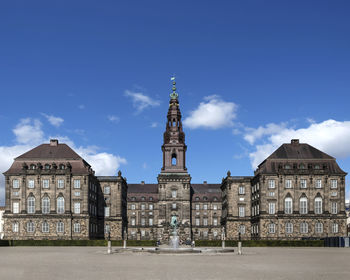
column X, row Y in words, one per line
column 107, row 178
column 142, row 188
column 46, row 151
column 298, row 151
column 206, row 188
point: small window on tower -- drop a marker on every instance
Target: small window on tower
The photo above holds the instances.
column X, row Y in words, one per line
column 174, row 122
column 173, row 159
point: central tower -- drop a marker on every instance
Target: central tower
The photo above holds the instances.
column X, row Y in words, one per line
column 174, row 147
column 173, row 181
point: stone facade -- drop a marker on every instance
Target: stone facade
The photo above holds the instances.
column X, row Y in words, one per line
column 52, row 193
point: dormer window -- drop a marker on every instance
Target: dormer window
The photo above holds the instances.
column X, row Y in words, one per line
column 205, row 198
column 62, row 166
column 197, row 198
column 133, row 198
column 47, row 166
column 32, row 166
column 302, row 166
column 317, row 166
column 143, row 198
column 287, row 166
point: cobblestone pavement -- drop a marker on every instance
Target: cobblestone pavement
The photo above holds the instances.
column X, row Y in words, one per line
column 93, row 263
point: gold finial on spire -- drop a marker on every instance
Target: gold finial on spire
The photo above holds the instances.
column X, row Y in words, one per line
column 173, row 95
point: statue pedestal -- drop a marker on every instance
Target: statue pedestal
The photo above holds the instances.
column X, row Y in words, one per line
column 174, row 242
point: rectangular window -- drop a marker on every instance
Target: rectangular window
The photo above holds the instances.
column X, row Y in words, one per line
column 15, row 184
column 205, row 206
column 241, row 190
column 107, row 190
column 303, row 183
column 303, row 205
column 150, row 221
column 334, row 184
column 318, row 206
column 107, row 214
column 334, row 208
column 76, row 184
column 334, row 193
column 76, row 193
column 15, row 227
column 173, row 205
column 288, row 206
column 15, row 207
column 272, row 208
column 197, row 222
column 76, row 227
column 60, row 183
column 272, row 228
column 318, row 184
column 241, row 229
column 271, row 184
column 143, row 233
column 289, row 228
column 133, row 221
column 133, row 206
column 241, row 211
column 205, row 221
column 289, row 184
column 271, row 193
column 215, row 221
column 107, row 229
column 31, row 184
column 173, row 193
column 46, row 184
column 197, row 206
column 215, row 207
column 76, row 207
column 143, row 206
column 143, row 221
column 215, row 233
column 335, row 228
column 319, row 227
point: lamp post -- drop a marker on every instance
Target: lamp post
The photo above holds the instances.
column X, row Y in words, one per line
column 223, row 238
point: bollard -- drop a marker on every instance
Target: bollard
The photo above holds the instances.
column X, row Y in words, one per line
column 239, row 248
column 109, row 250
column 223, row 244
column 124, row 243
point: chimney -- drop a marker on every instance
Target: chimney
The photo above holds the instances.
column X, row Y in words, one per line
column 142, row 182
column 204, row 182
column 54, row 142
column 294, row 141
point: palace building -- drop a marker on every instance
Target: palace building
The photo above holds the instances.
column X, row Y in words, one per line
column 53, row 193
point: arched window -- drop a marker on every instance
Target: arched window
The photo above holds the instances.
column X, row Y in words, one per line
column 47, row 166
column 143, row 198
column 60, row 205
column 318, row 205
column 60, row 226
column 45, row 227
column 304, row 227
column 303, row 205
column 173, row 159
column 31, row 205
column 288, row 205
column 133, row 198
column 197, row 198
column 30, row 226
column 76, row 227
column 205, row 198
column 215, row 198
column 302, row 166
column 45, row 205
column 174, row 122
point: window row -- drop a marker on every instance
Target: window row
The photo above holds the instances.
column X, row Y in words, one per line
column 205, row 207
column 288, row 183
column 143, row 207
column 45, row 206
column 303, row 206
column 46, row 166
column 45, row 183
column 142, row 222
column 45, row 227
column 303, row 228
column 205, row 222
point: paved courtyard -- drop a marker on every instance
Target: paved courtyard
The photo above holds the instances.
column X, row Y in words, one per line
column 93, row 263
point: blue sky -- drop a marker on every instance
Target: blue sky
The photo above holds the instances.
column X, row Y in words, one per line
column 250, row 76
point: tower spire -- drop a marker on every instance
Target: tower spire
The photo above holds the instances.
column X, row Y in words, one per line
column 174, row 147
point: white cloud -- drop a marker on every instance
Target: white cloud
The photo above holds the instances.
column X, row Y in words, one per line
column 330, row 136
column 113, row 118
column 28, row 131
column 55, row 121
column 253, row 134
column 141, row 101
column 29, row 134
column 213, row 113
column 154, row 124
